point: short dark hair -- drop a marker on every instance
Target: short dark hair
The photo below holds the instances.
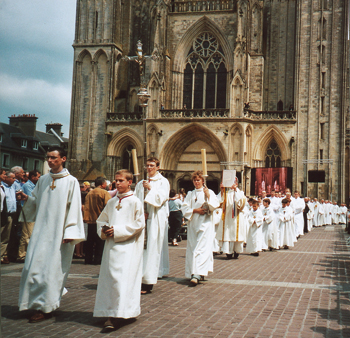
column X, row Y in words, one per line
column 99, row 181
column 285, row 201
column 60, row 150
column 33, row 173
column 267, row 200
column 172, row 193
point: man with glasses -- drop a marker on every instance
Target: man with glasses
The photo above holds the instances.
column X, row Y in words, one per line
column 55, row 207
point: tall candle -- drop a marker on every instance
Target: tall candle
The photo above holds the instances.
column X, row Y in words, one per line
column 134, row 161
column 204, row 162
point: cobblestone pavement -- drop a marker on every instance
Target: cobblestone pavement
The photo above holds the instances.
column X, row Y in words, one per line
column 300, row 292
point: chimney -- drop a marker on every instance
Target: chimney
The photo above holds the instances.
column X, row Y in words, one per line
column 56, row 127
column 26, row 122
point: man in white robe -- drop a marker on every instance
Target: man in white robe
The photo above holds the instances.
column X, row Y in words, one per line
column 121, row 224
column 335, row 213
column 231, row 232
column 315, row 206
column 321, row 212
column 298, row 206
column 286, row 225
column 327, row 206
column 157, row 213
column 55, row 207
column 310, row 216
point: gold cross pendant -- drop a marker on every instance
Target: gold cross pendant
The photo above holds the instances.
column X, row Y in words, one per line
column 52, row 186
column 118, row 207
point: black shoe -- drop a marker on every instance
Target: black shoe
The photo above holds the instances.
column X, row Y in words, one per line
column 229, row 256
column 255, row 254
column 235, row 256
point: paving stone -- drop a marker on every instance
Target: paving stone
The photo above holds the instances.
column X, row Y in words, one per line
column 289, row 293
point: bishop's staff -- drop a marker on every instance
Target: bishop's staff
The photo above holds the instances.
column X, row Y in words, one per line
column 137, row 175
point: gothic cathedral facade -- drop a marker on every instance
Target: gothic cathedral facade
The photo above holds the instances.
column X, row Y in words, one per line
column 263, row 86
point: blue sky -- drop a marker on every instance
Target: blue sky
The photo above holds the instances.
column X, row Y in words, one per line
column 36, row 59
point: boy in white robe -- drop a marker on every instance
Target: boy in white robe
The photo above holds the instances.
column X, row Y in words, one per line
column 200, row 229
column 286, row 225
column 55, row 207
column 269, row 229
column 121, row 224
column 255, row 220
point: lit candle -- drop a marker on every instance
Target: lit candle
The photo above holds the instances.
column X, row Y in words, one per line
column 204, row 162
column 134, row 161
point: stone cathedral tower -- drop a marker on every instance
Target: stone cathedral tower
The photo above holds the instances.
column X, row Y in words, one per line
column 287, row 58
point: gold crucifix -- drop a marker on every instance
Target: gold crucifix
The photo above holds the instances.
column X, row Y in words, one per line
column 118, row 207
column 52, row 186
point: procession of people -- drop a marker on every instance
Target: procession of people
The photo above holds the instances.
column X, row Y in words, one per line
column 127, row 231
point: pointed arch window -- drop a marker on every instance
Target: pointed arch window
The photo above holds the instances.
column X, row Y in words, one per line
column 205, row 74
column 273, row 156
column 126, row 158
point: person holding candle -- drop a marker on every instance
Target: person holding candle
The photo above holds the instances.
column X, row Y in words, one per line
column 198, row 208
column 157, row 193
column 121, row 225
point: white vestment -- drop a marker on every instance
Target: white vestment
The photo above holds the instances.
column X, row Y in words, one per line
column 234, row 229
column 200, row 233
column 255, row 220
column 287, row 236
column 298, row 206
column 157, row 222
column 328, row 213
column 342, row 214
column 315, row 206
column 335, row 214
column 320, row 219
column 164, row 255
column 55, row 207
column 119, row 284
column 217, row 215
column 310, row 217
column 269, row 229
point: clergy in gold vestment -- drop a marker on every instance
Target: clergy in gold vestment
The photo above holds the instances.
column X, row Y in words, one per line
column 231, row 232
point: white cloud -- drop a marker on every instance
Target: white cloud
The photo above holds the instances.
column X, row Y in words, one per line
column 41, row 22
column 50, row 102
column 36, row 59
